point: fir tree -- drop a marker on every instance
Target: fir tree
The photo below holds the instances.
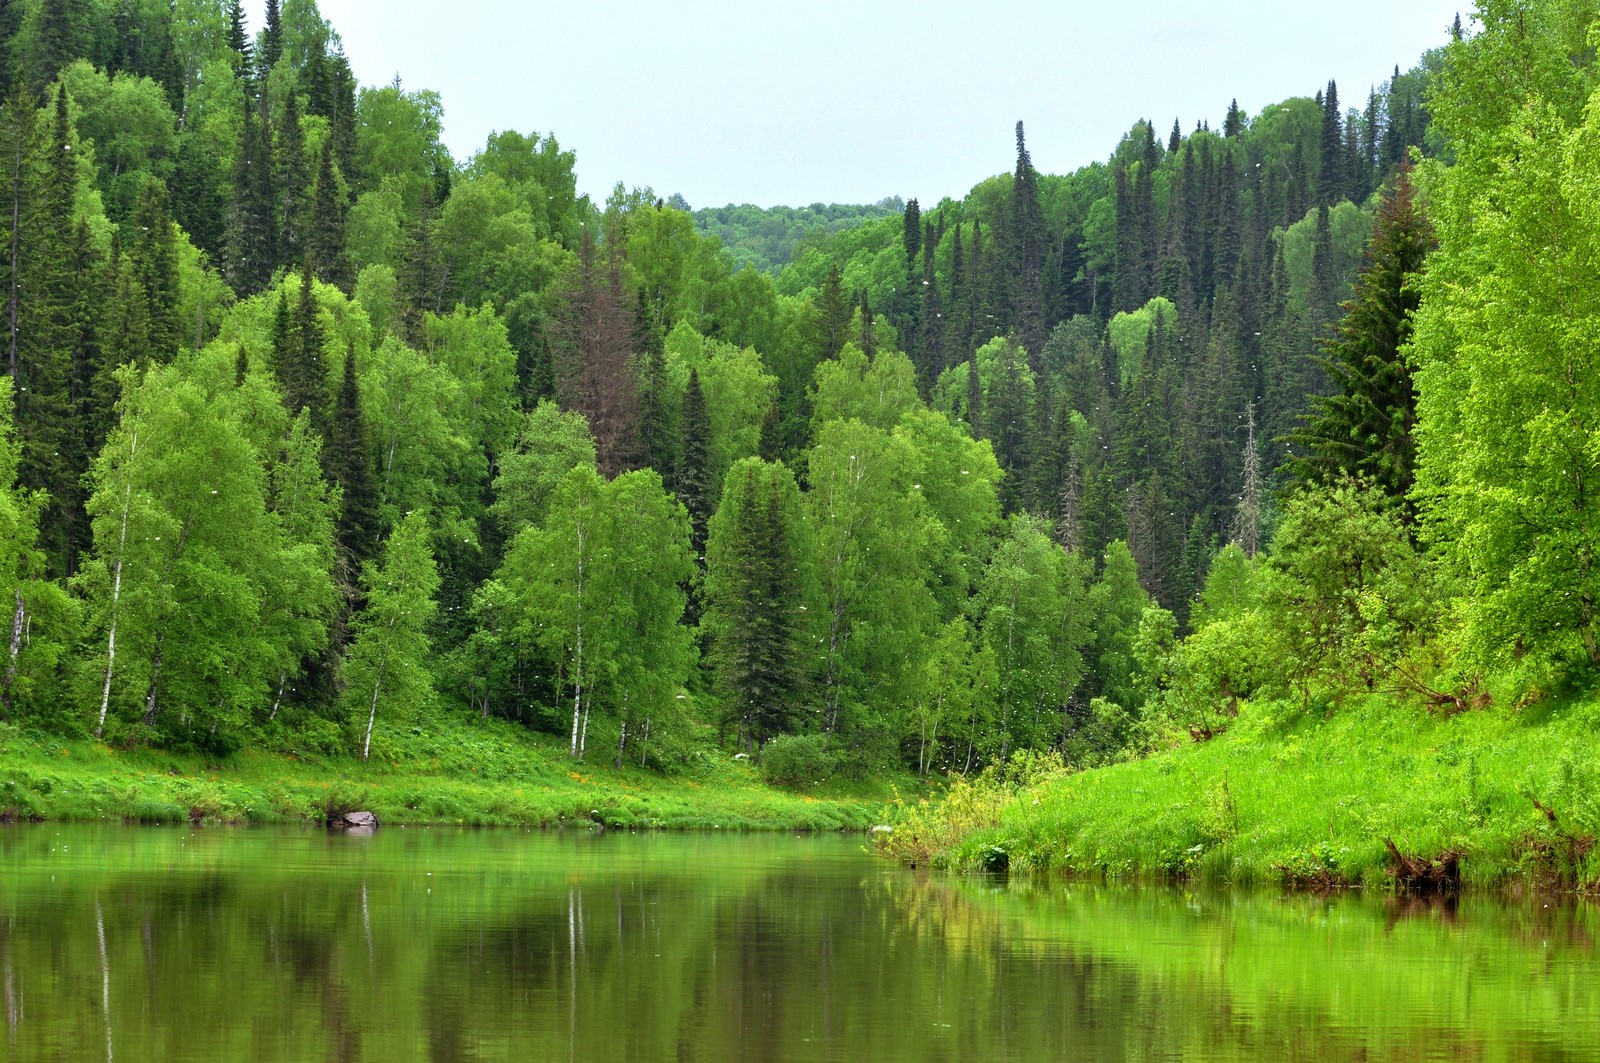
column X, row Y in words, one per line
column 753, row 602
column 293, row 183
column 349, row 465
column 326, row 236
column 239, row 36
column 270, row 44
column 911, row 235
column 1233, row 124
column 1331, row 182
column 250, row 240
column 694, row 467
column 1028, row 239
column 1364, row 427
column 831, row 315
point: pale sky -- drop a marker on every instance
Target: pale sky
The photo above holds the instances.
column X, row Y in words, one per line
column 849, row 102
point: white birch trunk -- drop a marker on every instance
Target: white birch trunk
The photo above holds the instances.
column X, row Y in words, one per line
column 116, row 594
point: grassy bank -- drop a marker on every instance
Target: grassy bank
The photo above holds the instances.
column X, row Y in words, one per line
column 476, row 773
column 1301, row 799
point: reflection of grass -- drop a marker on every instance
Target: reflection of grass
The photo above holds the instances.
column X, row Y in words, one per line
column 480, row 773
column 1309, row 800
column 1400, row 980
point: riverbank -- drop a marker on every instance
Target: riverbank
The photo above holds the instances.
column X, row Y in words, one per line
column 1504, row 798
column 475, row 773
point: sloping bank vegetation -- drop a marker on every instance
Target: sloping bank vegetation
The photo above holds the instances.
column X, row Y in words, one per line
column 1400, row 689
column 436, row 772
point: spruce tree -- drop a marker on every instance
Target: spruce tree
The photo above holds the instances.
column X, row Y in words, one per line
column 694, row 466
column 293, row 183
column 349, row 465
column 270, row 44
column 1028, row 239
column 239, row 36
column 326, row 235
column 250, row 238
column 1364, row 427
column 931, row 343
column 831, row 315
column 1233, row 124
column 911, row 235
column 1331, row 182
column 152, row 256
column 753, row 602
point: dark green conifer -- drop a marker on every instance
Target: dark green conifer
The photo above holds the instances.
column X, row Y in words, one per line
column 694, row 466
column 1233, row 124
column 1364, row 427
column 326, row 236
column 1028, row 239
column 831, row 315
column 269, row 49
column 239, row 36
column 152, row 256
column 293, row 181
column 1331, row 183
column 758, row 651
column 349, row 464
column 911, row 235
column 250, row 239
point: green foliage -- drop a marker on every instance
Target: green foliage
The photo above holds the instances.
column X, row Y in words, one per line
column 799, row 761
column 1508, row 391
column 1341, row 554
column 386, row 667
column 756, row 561
column 768, row 238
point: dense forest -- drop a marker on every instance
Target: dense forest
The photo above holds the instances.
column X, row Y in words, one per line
column 319, row 431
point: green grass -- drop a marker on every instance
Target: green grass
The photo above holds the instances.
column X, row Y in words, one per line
column 1303, row 799
column 480, row 773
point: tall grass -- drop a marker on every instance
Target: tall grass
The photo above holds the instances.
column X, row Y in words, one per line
column 1303, row 799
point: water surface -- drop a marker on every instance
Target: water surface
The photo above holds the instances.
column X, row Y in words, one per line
column 260, row 945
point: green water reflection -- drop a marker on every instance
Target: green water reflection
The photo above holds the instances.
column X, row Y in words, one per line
column 263, row 945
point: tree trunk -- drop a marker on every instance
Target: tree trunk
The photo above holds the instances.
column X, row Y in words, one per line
column 116, row 594
column 18, row 620
column 152, row 704
column 372, row 711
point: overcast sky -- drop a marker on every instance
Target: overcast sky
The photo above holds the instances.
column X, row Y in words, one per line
column 849, row 102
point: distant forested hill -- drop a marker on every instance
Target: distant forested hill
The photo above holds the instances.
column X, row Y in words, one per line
column 770, row 238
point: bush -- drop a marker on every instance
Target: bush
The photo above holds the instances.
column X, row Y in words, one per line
column 797, row 760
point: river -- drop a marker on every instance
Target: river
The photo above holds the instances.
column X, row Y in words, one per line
column 257, row 944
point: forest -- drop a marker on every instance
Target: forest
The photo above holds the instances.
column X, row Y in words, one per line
column 315, row 432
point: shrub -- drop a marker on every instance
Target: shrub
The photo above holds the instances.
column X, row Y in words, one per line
column 797, row 760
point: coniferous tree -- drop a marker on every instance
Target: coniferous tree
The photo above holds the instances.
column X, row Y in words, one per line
column 754, row 602
column 958, row 316
column 931, row 343
column 1233, row 124
column 250, row 239
column 694, row 467
column 293, row 182
column 831, row 315
column 152, row 258
column 43, row 344
column 349, row 465
column 591, row 338
column 326, row 235
column 424, row 275
column 1364, row 427
column 911, row 235
column 1331, row 182
column 270, row 49
column 239, row 37
column 1028, row 239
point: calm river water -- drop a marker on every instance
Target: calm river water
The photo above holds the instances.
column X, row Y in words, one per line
column 124, row 944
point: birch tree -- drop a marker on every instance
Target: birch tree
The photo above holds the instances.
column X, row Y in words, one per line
column 387, row 666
